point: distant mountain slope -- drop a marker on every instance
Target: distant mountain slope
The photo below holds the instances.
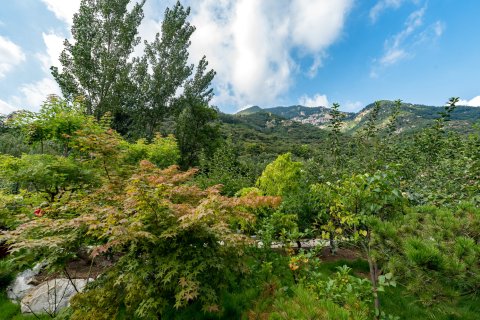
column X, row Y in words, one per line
column 316, row 116
column 412, row 116
column 266, row 135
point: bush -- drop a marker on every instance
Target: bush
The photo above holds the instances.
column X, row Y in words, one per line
column 163, row 151
column 7, row 273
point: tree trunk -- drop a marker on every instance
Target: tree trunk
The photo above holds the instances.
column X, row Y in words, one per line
column 333, row 245
column 373, row 278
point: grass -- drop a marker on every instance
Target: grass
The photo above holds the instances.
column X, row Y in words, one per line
column 359, row 267
column 8, row 309
column 11, row 311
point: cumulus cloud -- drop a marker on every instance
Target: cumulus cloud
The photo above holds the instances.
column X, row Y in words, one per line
column 250, row 43
column 54, row 46
column 34, row 94
column 474, row 102
column 11, row 55
column 352, row 106
column 31, row 96
column 318, row 100
column 6, row 108
column 63, row 9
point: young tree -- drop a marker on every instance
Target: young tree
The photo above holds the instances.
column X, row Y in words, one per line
column 370, row 129
column 336, row 123
column 353, row 209
column 224, row 167
column 281, row 177
column 56, row 123
column 392, row 121
column 50, row 176
column 286, row 178
column 369, row 141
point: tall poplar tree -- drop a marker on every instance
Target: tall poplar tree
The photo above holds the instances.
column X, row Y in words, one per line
column 96, row 65
column 173, row 87
column 178, row 90
column 140, row 92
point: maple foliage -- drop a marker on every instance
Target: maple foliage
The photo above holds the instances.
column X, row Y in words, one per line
column 175, row 238
column 173, row 242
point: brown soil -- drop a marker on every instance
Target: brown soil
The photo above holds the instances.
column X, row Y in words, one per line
column 77, row 269
column 341, row 254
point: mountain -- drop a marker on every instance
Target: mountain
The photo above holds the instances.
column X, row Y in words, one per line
column 250, row 110
column 264, row 135
column 317, row 116
column 411, row 118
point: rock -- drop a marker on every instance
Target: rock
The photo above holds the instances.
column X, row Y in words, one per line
column 51, row 296
column 23, row 283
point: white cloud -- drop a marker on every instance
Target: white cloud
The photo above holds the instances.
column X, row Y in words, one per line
column 404, row 44
column 63, row 9
column 32, row 95
column 54, row 46
column 394, row 51
column 317, row 24
column 318, row 100
column 249, row 43
column 392, row 56
column 10, row 56
column 438, row 28
column 36, row 93
column 317, row 64
column 383, row 5
column 474, row 102
column 352, row 106
column 6, row 108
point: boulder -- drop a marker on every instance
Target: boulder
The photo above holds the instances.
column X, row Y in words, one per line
column 23, row 283
column 51, row 296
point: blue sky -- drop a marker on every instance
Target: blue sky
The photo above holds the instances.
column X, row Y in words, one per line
column 279, row 52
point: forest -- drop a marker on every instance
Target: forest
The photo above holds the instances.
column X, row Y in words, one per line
column 162, row 207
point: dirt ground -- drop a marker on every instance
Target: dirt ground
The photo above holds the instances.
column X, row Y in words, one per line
column 78, row 269
column 341, row 254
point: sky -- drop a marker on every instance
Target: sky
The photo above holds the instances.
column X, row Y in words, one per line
column 278, row 52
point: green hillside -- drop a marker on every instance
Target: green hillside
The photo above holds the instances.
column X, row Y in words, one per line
column 268, row 135
column 411, row 118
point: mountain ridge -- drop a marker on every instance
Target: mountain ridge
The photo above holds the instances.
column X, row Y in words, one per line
column 411, row 116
